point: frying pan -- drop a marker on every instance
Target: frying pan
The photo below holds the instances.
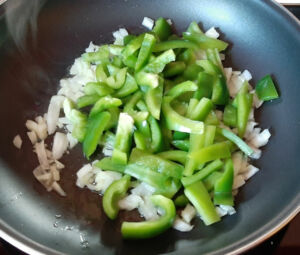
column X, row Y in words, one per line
column 39, row 41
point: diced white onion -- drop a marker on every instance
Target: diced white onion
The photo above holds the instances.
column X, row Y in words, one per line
column 234, row 84
column 181, row 225
column 188, row 213
column 238, row 181
column 256, row 101
column 58, row 189
column 60, row 145
column 143, row 189
column 72, row 140
column 59, row 165
column 246, row 75
column 251, row 170
column 17, row 141
column 32, row 137
column 229, row 209
column 130, row 202
column 239, row 162
column 53, row 112
column 103, row 179
column 256, row 154
column 148, row 210
column 148, row 23
column 92, row 47
column 212, row 32
column 260, row 139
column 40, row 150
column 221, row 212
column 169, row 22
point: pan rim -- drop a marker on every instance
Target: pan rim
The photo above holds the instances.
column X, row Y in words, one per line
column 30, row 246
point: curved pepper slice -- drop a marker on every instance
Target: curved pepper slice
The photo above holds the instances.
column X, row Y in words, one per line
column 223, row 186
column 147, row 229
column 113, row 194
column 129, row 87
column 145, row 51
column 162, row 29
column 95, row 127
column 158, row 64
column 174, row 155
column 105, row 103
column 173, row 44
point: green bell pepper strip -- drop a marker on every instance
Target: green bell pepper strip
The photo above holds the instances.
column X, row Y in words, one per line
column 212, row 119
column 173, row 44
column 223, row 186
column 104, row 103
column 199, row 197
column 244, row 101
column 95, row 127
column 117, row 61
column 177, row 122
column 174, row 68
column 156, row 163
column 181, row 201
column 101, row 55
column 98, row 88
column 163, row 184
column 209, row 181
column 148, row 229
column 153, row 99
column 130, row 86
column 204, row 42
column 147, row 79
column 192, row 71
column 144, row 128
column 166, row 133
column 117, row 80
column 206, row 171
column 265, row 89
column 132, row 47
column 192, row 104
column 201, row 110
column 87, row 100
column 142, row 106
column 114, row 113
column 129, row 108
column 174, row 155
column 139, row 140
column 156, row 135
column 210, row 132
column 236, row 140
column 158, row 64
column 145, row 51
column 130, row 61
column 181, row 88
column 183, row 145
column 107, row 164
column 214, row 56
column 123, row 138
column 205, row 83
column 194, row 28
column 212, row 152
column 162, row 29
column 196, row 143
column 128, row 38
column 180, row 135
column 230, row 115
column 188, row 56
column 79, row 121
column 116, row 191
column 115, row 50
column 100, row 72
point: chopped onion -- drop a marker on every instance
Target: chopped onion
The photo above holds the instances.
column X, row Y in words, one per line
column 239, row 162
column 260, row 139
column 188, row 213
column 40, row 150
column 148, row 23
column 92, row 47
column 256, row 154
column 251, row 170
column 143, row 189
column 228, row 73
column 212, row 32
column 238, row 181
column 103, row 179
column 148, row 210
column 221, row 212
column 119, row 36
column 60, row 145
column 32, row 137
column 55, row 173
column 229, row 209
column 181, row 225
column 234, row 84
column 58, row 189
column 59, row 165
column 17, row 141
column 246, row 75
column 169, row 22
column 72, row 141
column 53, row 112
column 130, row 202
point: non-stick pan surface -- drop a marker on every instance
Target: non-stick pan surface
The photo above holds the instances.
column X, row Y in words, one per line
column 39, row 41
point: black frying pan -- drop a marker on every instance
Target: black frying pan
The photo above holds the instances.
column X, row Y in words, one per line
column 39, row 41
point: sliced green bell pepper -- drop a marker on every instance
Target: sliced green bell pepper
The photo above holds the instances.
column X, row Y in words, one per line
column 183, row 145
column 199, row 197
column 156, row 135
column 181, row 201
column 107, row 164
column 230, row 115
column 87, row 100
column 174, row 155
column 223, row 186
column 104, row 103
column 162, row 29
column 147, row 229
column 117, row 80
column 145, row 51
column 130, row 86
column 173, row 44
column 116, row 191
column 153, row 99
column 265, row 89
column 95, row 127
column 174, row 68
column 158, row 64
column 98, row 88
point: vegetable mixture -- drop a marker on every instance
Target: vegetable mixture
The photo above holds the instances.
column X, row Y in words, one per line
column 176, row 128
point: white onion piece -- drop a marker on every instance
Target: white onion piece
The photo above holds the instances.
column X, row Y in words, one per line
column 212, row 32
column 32, row 137
column 58, row 189
column 17, row 141
column 251, row 170
column 40, row 150
column 238, row 181
column 246, row 75
column 188, row 213
column 53, row 112
column 169, row 22
column 148, row 23
column 181, row 225
column 148, row 210
column 220, row 211
column 143, row 189
column 103, row 179
column 72, row 140
column 92, row 47
column 59, row 165
column 229, row 209
column 234, row 84
column 260, row 139
column 130, row 202
column 60, row 145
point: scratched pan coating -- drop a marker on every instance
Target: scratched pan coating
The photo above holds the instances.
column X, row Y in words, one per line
column 39, row 41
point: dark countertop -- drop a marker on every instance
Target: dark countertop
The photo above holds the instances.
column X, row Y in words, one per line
column 285, row 242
